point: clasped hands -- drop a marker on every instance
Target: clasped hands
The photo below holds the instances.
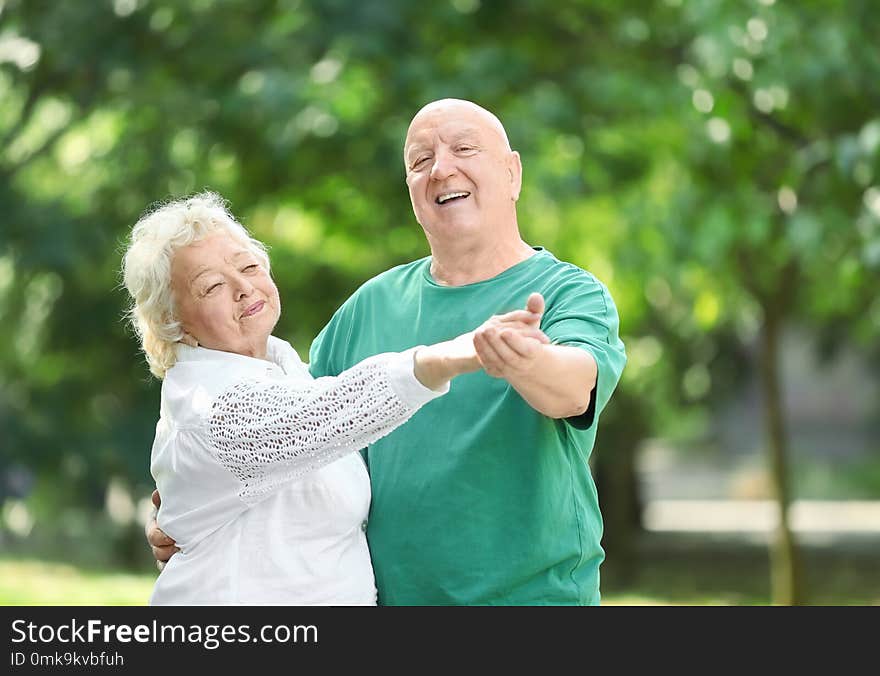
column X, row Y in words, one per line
column 504, row 346
column 508, row 345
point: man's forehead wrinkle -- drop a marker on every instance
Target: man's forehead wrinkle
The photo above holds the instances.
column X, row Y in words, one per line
column 445, row 107
column 436, row 114
column 447, row 132
column 458, row 133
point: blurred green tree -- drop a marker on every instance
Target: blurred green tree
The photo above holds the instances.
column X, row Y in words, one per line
column 775, row 204
column 715, row 163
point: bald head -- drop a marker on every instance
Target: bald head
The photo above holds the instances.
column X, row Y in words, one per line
column 463, row 178
column 443, row 108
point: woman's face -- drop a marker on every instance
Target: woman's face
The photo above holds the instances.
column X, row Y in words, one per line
column 225, row 298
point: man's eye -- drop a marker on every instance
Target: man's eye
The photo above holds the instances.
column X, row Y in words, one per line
column 213, row 287
column 250, row 268
column 464, row 149
column 420, row 161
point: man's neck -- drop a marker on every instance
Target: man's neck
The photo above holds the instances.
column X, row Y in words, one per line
column 461, row 265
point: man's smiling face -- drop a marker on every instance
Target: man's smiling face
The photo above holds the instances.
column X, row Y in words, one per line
column 463, row 178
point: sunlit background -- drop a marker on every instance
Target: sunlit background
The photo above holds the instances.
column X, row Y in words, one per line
column 715, row 163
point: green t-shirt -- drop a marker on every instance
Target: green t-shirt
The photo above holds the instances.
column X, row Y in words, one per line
column 480, row 499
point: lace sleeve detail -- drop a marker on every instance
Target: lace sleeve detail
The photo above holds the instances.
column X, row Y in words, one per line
column 270, row 432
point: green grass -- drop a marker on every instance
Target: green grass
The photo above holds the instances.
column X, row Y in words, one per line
column 30, row 582
column 671, row 570
column 690, row 569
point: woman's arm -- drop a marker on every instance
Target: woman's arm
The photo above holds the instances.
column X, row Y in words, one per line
column 270, row 431
column 267, row 432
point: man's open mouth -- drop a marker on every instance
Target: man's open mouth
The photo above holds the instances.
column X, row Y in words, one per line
column 448, row 197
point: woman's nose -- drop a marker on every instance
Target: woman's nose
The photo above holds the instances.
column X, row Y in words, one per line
column 243, row 288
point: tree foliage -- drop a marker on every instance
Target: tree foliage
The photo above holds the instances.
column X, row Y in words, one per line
column 714, row 163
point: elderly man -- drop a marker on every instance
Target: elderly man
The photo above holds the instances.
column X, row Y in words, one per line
column 486, row 496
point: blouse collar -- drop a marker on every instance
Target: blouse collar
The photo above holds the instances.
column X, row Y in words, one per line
column 278, row 352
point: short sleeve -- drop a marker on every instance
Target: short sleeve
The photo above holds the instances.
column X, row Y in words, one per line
column 581, row 313
column 330, row 342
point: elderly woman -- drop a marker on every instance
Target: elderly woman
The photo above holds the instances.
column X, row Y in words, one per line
column 254, row 459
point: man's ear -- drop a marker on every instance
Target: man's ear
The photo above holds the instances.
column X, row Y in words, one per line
column 514, row 169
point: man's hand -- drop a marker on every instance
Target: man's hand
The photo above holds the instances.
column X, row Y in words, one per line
column 508, row 345
column 163, row 546
column 556, row 380
column 435, row 365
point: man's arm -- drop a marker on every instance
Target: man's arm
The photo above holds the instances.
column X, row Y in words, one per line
column 555, row 380
column 163, row 546
column 432, row 365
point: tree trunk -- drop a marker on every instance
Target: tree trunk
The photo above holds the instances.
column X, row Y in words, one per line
column 621, row 510
column 614, row 470
column 785, row 567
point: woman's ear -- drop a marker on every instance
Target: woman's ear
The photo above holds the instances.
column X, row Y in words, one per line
column 188, row 339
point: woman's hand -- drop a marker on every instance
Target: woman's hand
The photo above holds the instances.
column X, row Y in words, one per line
column 556, row 380
column 505, row 349
column 435, row 365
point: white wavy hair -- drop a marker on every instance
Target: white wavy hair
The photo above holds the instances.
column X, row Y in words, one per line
column 146, row 267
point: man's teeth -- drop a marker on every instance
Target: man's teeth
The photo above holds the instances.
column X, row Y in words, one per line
column 449, row 196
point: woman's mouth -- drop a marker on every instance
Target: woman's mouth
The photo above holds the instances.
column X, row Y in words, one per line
column 253, row 309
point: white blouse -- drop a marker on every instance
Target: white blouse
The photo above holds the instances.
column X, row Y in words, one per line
column 261, row 486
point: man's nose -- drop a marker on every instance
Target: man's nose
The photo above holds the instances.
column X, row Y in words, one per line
column 444, row 165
